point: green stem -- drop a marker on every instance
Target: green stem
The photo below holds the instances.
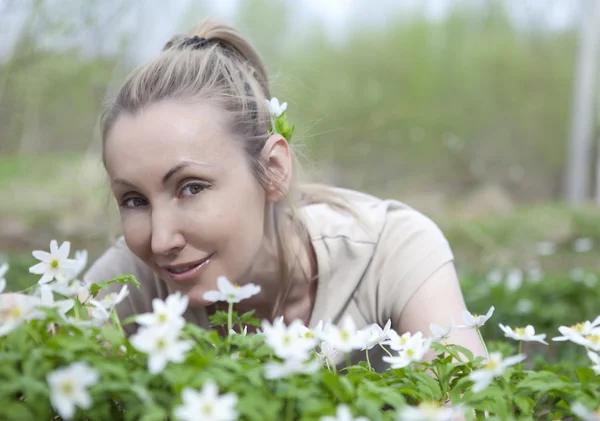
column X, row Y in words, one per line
column 348, row 360
column 290, row 404
column 230, row 319
column 76, row 310
column 368, row 361
column 385, row 349
column 482, row 342
column 520, row 351
column 115, row 318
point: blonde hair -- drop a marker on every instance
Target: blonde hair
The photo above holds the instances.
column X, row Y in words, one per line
column 223, row 67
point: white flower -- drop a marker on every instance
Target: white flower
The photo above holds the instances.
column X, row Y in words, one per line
column 526, row 334
column 109, row 301
column 16, row 309
column 344, row 338
column 579, row 329
column 440, row 333
column 278, row 370
column 79, row 288
column 427, row 411
column 3, row 270
column 274, row 108
column 494, row 276
column 162, row 346
column 475, row 320
column 546, row 248
column 514, row 279
column 584, row 413
column 493, row 367
column 524, row 306
column 591, row 341
column 68, row 388
column 168, row 312
column 78, row 264
column 342, row 414
column 47, row 300
column 230, row 292
column 206, row 404
column 596, row 360
column 375, row 335
column 583, row 245
column 397, row 342
column 327, row 354
column 414, row 350
column 288, row 342
column 53, row 265
column 244, row 332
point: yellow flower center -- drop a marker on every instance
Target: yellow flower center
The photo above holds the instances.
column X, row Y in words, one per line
column 520, row 331
column 345, row 335
column 287, row 340
column 410, row 352
column 491, row 364
column 54, row 263
column 67, row 388
column 162, row 318
column 15, row 313
column 595, row 339
column 207, row 409
column 578, row 327
column 161, row 344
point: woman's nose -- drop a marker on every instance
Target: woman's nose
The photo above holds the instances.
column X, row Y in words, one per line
column 166, row 235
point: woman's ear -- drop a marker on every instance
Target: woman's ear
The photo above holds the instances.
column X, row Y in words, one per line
column 278, row 161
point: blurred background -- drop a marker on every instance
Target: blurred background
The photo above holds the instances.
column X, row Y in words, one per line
column 481, row 114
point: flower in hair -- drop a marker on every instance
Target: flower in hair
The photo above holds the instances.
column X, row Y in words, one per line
column 279, row 123
column 274, row 108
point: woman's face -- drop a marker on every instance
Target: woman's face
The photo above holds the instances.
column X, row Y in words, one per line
column 190, row 207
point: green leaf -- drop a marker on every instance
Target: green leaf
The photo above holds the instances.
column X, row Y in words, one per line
column 122, row 279
column 218, row 319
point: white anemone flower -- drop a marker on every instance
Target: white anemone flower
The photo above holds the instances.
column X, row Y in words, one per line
column 53, row 265
column 398, row 342
column 47, row 300
column 3, row 269
column 78, row 264
column 584, row 413
column 207, row 404
column 166, row 313
column 591, row 341
column 475, row 320
column 288, row 342
column 327, row 354
column 109, row 301
column 342, row 413
column 493, row 367
column 413, row 351
column 16, row 309
column 162, row 346
column 345, row 337
column 375, row 334
column 441, row 333
column 579, row 329
column 526, row 334
column 275, row 109
column 69, row 388
column 596, row 361
column 427, row 411
column 231, row 293
column 289, row 367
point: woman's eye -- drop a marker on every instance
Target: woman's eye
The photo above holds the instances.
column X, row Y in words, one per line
column 134, row 202
column 193, row 188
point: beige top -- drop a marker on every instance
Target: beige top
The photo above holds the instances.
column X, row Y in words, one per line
column 368, row 270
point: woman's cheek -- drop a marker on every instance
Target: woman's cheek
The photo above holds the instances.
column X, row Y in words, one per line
column 136, row 230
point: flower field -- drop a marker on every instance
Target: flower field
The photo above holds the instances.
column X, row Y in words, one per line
column 64, row 355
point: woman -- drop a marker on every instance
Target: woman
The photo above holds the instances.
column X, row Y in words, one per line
column 206, row 189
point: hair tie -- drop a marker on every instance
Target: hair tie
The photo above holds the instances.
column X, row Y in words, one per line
column 195, row 42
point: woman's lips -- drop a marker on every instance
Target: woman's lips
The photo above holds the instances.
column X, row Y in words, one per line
column 190, row 272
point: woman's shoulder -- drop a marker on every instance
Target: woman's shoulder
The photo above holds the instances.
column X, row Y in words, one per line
column 369, row 218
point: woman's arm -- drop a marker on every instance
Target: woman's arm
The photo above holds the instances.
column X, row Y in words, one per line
column 439, row 300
